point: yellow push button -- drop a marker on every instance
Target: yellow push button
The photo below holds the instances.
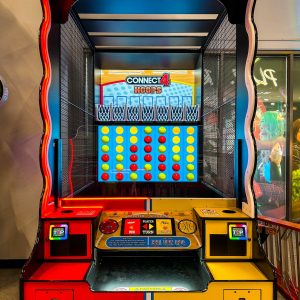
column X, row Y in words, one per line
column 119, row 130
column 190, row 158
column 148, row 129
column 119, row 157
column 176, row 157
column 119, row 167
column 190, row 149
column 119, row 139
column 162, row 176
column 105, row 167
column 133, row 139
column 176, row 149
column 190, row 167
column 162, row 130
column 190, row 176
column 190, row 130
column 133, row 176
column 133, row 130
column 148, row 167
column 105, row 148
column 162, row 148
column 119, row 149
column 190, row 139
column 105, row 139
column 105, row 130
column 176, row 130
column 176, row 140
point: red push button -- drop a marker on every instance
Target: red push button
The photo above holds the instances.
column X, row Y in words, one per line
column 148, row 148
column 162, row 157
column 176, row 167
column 133, row 148
column 148, row 176
column 105, row 157
column 109, row 226
column 176, row 176
column 133, row 157
column 161, row 167
column 105, row 176
column 132, row 227
column 133, row 167
column 148, row 139
column 147, row 157
column 119, row 176
column 162, row 139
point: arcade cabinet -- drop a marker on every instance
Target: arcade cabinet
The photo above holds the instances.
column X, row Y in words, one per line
column 147, row 153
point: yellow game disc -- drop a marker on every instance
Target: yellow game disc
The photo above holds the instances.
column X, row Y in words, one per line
column 176, row 140
column 176, row 157
column 148, row 129
column 190, row 149
column 162, row 130
column 133, row 176
column 119, row 130
column 119, row 149
column 105, row 130
column 119, row 157
column 105, row 139
column 176, row 130
column 190, row 130
column 105, row 148
column 190, row 176
column 190, row 167
column 133, row 139
column 162, row 176
column 105, row 167
column 147, row 167
column 190, row 158
column 119, row 139
column 190, row 139
column 119, row 167
column 162, row 148
column 176, row 149
column 133, row 130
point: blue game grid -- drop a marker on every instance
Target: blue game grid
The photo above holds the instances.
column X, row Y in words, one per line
column 185, row 139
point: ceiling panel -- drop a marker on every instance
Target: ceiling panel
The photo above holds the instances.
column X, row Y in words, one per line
column 147, row 26
column 148, row 41
column 148, row 6
column 144, row 61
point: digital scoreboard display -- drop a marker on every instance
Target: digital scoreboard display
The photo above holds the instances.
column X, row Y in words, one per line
column 238, row 231
column 58, row 232
column 148, row 227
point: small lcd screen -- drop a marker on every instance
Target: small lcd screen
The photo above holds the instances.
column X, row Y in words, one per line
column 148, row 227
column 58, row 231
column 238, row 232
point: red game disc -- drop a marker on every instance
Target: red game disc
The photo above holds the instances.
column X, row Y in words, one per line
column 162, row 139
column 133, row 157
column 161, row 167
column 133, row 167
column 176, row 176
column 148, row 176
column 119, row 176
column 148, row 139
column 105, row 157
column 148, row 148
column 105, row 176
column 133, row 148
column 176, row 167
column 162, row 157
column 109, row 226
column 147, row 157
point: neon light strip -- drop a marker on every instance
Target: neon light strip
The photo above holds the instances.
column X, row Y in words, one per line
column 71, row 167
column 44, row 32
column 249, row 207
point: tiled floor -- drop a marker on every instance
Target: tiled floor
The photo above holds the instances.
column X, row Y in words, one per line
column 9, row 284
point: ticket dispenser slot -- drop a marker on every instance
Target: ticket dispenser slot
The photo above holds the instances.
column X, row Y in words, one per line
column 242, row 295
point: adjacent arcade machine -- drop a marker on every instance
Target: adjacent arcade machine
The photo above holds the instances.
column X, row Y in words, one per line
column 147, row 153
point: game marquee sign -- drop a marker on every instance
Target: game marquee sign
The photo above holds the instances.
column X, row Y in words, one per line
column 149, row 84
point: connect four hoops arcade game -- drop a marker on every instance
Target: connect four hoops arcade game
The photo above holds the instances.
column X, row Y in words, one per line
column 147, row 153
